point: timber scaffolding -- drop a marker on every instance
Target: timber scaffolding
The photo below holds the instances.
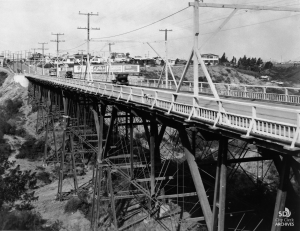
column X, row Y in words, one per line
column 173, row 163
column 180, row 173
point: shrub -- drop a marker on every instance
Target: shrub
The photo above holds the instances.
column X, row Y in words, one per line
column 5, row 150
column 3, row 76
column 20, row 132
column 82, row 203
column 72, row 205
column 13, row 106
column 21, row 220
column 31, row 149
column 44, row 176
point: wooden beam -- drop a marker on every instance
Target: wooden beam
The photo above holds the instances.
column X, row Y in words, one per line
column 196, row 178
column 156, row 178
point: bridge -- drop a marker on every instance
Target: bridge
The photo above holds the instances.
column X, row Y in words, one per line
column 174, row 156
column 108, row 121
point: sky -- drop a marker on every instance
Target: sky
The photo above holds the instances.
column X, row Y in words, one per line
column 267, row 34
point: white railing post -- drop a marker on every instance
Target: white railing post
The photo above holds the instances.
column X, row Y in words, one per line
column 143, row 94
column 190, row 86
column 264, row 93
column 286, row 94
column 245, row 92
column 254, row 117
column 228, row 89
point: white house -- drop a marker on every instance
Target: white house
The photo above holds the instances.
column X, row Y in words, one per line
column 210, row 59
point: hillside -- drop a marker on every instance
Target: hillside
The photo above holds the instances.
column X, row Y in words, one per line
column 222, row 74
column 22, row 122
column 218, row 73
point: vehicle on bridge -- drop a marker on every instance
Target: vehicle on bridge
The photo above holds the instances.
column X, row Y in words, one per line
column 52, row 71
column 120, row 78
column 69, row 75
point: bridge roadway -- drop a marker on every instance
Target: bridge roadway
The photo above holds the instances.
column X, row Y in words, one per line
column 270, row 120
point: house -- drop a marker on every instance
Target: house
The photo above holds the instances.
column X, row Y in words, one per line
column 210, row 59
column 265, row 77
column 172, row 61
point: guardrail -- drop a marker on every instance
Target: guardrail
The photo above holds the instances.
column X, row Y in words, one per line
column 187, row 106
column 261, row 92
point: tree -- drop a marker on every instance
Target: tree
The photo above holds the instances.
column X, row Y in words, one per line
column 253, row 62
column 268, row 65
column 233, row 60
column 14, row 184
column 223, row 59
column 244, row 60
column 239, row 62
column 259, row 62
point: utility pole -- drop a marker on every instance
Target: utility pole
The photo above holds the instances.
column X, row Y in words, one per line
column 109, row 64
column 109, row 47
column 90, row 77
column 43, row 49
column 81, row 55
column 57, row 49
column 34, row 57
column 166, row 60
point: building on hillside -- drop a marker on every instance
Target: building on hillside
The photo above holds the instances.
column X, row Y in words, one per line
column 1, row 60
column 210, row 59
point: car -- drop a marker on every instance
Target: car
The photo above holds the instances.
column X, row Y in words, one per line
column 69, row 75
column 121, row 79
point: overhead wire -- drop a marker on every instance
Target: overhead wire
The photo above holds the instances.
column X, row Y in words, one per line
column 73, row 47
column 253, row 24
column 112, row 36
column 209, row 21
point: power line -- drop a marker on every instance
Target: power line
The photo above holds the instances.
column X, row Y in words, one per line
column 88, row 28
column 43, row 49
column 146, row 25
column 57, row 49
column 75, row 47
column 232, row 28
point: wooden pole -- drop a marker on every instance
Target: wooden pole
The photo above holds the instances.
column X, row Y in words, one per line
column 196, row 177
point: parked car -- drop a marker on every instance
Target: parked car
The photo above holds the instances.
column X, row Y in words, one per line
column 97, row 60
column 69, row 75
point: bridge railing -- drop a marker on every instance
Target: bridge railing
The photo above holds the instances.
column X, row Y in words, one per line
column 249, row 123
column 259, row 92
column 272, row 93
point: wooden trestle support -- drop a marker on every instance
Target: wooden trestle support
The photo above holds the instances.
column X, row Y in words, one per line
column 161, row 171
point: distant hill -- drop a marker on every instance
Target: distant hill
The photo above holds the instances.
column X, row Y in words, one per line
column 289, row 75
column 222, row 74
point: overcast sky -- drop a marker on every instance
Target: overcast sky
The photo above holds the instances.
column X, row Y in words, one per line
column 265, row 34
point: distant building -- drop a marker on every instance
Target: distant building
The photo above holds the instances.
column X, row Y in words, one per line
column 210, row 59
column 1, row 60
